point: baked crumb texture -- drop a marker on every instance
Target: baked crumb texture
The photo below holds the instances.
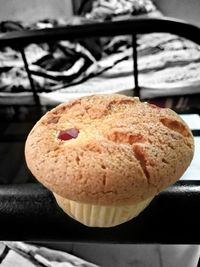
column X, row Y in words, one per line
column 124, row 152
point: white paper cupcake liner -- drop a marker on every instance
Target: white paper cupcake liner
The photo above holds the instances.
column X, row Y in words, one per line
column 98, row 215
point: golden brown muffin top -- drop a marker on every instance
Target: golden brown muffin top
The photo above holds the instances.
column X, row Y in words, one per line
column 117, row 151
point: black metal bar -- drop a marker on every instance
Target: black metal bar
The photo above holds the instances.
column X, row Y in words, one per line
column 196, row 132
column 198, row 265
column 135, row 66
column 35, row 95
column 12, row 138
column 30, row 213
column 133, row 26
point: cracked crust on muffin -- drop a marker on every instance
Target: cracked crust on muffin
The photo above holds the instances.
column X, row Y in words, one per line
column 125, row 151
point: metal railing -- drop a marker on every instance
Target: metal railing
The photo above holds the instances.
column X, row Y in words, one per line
column 29, row 213
column 20, row 39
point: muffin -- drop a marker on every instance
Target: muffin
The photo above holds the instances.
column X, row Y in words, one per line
column 105, row 157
